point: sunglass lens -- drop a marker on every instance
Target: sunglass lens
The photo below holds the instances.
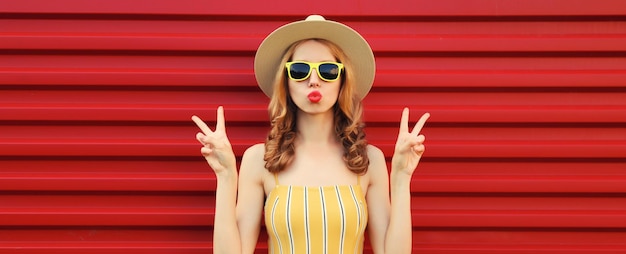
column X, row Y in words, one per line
column 299, row 70
column 329, row 71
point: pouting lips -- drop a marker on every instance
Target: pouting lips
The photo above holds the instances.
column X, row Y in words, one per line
column 315, row 96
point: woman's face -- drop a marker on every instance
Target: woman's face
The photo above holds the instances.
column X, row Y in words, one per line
column 313, row 95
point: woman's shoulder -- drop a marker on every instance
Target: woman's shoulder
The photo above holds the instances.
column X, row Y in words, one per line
column 378, row 165
column 373, row 152
column 256, row 148
column 252, row 163
column 255, row 152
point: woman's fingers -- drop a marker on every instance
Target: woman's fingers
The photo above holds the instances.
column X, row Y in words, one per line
column 220, row 125
column 420, row 139
column 205, row 151
column 216, row 148
column 410, row 145
column 420, row 124
column 205, row 128
column 200, row 137
column 404, row 121
column 206, row 139
column 413, row 141
column 418, row 146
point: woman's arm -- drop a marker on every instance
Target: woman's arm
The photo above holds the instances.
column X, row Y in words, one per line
column 226, row 237
column 400, row 232
column 391, row 220
column 408, row 152
column 231, row 234
column 251, row 197
column 378, row 204
column 218, row 152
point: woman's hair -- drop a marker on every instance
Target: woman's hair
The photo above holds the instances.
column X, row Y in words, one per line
column 348, row 110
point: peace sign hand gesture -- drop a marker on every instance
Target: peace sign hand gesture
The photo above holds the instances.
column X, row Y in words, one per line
column 216, row 148
column 409, row 146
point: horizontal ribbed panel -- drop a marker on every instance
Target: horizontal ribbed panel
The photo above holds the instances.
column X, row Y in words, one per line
column 526, row 148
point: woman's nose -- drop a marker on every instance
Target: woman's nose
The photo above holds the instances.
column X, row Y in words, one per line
column 314, row 79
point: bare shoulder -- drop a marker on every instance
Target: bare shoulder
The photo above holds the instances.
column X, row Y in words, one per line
column 252, row 163
column 374, row 151
column 378, row 165
column 375, row 156
column 255, row 151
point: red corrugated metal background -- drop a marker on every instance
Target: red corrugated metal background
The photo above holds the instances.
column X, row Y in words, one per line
column 526, row 143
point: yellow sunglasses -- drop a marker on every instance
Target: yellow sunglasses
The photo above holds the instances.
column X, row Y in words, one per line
column 301, row 70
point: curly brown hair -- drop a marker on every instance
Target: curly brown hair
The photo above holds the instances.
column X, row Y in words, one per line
column 348, row 111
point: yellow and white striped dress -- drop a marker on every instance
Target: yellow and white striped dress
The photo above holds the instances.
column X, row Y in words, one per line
column 328, row 219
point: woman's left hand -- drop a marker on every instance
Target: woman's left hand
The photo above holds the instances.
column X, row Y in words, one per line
column 409, row 146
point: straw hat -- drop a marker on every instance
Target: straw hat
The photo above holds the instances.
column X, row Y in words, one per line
column 271, row 50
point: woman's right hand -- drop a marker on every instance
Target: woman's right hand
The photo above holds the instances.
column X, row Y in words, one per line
column 216, row 148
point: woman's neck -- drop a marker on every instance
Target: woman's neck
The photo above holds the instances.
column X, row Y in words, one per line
column 316, row 128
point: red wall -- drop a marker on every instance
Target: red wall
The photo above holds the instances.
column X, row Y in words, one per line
column 526, row 147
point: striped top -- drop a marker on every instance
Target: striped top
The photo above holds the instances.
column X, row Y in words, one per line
column 328, row 219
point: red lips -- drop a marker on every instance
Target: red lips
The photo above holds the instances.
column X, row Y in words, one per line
column 315, row 97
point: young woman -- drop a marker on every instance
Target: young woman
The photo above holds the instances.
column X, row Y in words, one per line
column 315, row 180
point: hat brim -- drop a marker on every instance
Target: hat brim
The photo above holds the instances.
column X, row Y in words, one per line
column 271, row 50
